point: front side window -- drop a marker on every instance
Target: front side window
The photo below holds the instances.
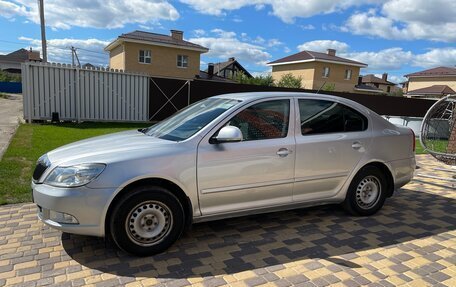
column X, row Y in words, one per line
column 182, row 61
column 144, row 56
column 320, row 116
column 325, row 73
column 265, row 120
column 348, row 74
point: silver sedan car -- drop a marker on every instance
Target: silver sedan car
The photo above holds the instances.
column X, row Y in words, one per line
column 225, row 156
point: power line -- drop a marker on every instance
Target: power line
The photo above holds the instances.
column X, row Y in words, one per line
column 92, row 51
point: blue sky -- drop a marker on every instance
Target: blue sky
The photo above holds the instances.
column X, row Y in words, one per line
column 394, row 36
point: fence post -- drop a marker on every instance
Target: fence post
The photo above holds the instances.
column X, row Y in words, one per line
column 29, row 92
column 77, row 94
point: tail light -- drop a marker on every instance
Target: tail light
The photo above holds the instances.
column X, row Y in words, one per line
column 413, row 140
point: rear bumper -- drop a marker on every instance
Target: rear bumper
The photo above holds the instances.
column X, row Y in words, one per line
column 402, row 171
column 87, row 205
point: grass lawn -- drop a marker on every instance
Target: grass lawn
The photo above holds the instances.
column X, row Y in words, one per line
column 419, row 148
column 33, row 140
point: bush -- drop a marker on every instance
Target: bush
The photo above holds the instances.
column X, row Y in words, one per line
column 8, row 77
column 258, row 80
column 290, row 81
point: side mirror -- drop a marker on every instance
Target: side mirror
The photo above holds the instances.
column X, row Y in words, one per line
column 229, row 134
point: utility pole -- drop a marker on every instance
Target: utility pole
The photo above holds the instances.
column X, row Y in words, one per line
column 73, row 55
column 43, row 30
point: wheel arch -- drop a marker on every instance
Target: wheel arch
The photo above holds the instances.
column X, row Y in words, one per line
column 171, row 186
column 386, row 171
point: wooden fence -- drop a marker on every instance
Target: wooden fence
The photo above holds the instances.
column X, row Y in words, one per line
column 78, row 94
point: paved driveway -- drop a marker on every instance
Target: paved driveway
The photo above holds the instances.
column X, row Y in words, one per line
column 10, row 114
column 411, row 242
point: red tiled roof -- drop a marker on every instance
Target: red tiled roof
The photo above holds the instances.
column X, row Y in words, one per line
column 433, row 90
column 159, row 38
column 439, row 71
column 316, row 56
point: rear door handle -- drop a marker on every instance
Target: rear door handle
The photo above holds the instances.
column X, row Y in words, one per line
column 283, row 152
column 357, row 145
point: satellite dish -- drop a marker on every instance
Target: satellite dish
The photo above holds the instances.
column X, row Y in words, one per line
column 438, row 130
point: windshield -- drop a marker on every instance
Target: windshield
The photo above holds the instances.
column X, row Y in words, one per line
column 190, row 120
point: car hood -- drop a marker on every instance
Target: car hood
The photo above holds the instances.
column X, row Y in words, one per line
column 106, row 148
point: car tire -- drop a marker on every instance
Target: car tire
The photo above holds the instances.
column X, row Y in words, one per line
column 366, row 193
column 147, row 221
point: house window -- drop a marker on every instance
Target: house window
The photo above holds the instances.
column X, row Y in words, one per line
column 144, row 56
column 325, row 72
column 348, row 74
column 182, row 61
column 388, row 89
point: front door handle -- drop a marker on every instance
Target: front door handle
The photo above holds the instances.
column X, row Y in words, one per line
column 283, row 152
column 357, row 145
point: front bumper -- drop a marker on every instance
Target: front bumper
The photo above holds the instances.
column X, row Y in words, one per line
column 87, row 205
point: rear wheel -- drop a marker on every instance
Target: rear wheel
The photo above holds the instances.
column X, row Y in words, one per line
column 147, row 221
column 367, row 192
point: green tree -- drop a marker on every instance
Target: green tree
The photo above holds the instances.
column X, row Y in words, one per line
column 258, row 80
column 329, row 87
column 7, row 77
column 290, row 81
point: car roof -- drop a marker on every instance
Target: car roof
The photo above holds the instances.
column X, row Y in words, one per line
column 247, row 96
column 252, row 96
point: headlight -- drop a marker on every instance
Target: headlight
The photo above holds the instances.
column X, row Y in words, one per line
column 77, row 175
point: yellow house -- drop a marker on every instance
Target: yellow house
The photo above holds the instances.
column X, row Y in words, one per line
column 324, row 71
column 156, row 54
column 432, row 83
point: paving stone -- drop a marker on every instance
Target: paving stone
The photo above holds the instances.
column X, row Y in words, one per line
column 411, row 238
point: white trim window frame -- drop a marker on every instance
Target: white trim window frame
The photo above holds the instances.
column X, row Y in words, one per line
column 182, row 61
column 326, row 71
column 144, row 57
column 348, row 74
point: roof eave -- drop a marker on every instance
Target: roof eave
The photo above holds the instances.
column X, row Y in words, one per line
column 361, row 65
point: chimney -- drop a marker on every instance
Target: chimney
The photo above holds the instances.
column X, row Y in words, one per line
column 331, row 52
column 210, row 69
column 33, row 55
column 231, row 59
column 360, row 80
column 385, row 76
column 177, row 35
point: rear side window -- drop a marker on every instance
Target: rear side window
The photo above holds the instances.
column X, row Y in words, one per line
column 320, row 117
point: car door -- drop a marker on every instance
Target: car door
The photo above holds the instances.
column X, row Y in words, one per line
column 255, row 172
column 331, row 138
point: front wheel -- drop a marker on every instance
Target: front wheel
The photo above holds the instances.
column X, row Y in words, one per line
column 147, row 221
column 366, row 193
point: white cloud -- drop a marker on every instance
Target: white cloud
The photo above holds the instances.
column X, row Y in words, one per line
column 407, row 20
column 436, row 57
column 286, row 10
column 387, row 59
column 322, row 45
column 62, row 14
column 274, row 43
column 199, row 32
column 90, row 50
column 224, row 44
column 308, row 27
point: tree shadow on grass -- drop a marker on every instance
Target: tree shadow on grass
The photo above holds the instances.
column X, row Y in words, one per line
column 234, row 245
